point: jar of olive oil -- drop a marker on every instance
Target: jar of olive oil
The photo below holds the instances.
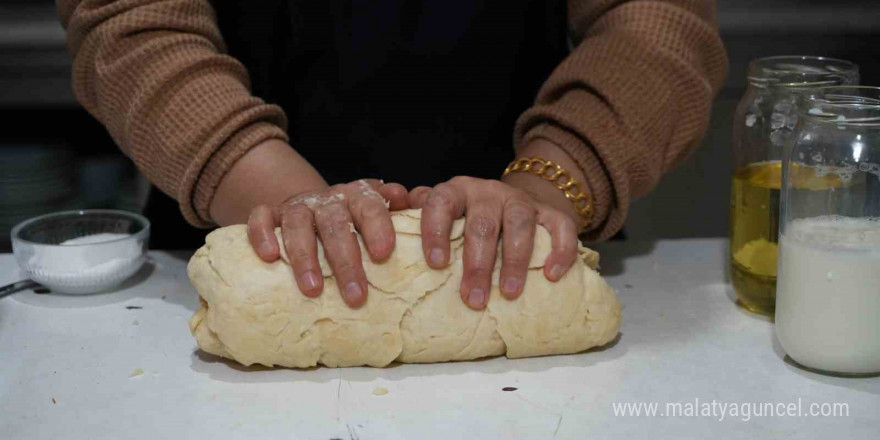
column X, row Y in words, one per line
column 763, row 129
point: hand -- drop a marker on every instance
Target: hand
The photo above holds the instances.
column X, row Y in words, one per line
column 335, row 212
column 492, row 207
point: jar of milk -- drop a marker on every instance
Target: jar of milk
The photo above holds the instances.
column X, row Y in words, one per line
column 828, row 286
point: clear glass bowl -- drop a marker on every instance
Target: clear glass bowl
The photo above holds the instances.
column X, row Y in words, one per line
column 81, row 252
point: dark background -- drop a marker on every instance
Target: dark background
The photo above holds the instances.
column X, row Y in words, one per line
column 54, row 156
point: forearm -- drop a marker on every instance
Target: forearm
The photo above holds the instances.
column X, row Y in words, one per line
column 267, row 175
column 154, row 72
column 632, row 99
column 544, row 190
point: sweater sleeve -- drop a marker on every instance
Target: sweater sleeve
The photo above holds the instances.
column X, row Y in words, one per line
column 632, row 99
column 156, row 75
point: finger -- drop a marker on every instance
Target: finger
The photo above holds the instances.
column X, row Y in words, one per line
column 396, row 195
column 443, row 204
column 481, row 231
column 261, row 233
column 300, row 243
column 417, row 196
column 342, row 252
column 371, row 218
column 563, row 242
column 518, row 227
column 366, row 185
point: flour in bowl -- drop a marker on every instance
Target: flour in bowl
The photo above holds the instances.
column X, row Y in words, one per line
column 82, row 263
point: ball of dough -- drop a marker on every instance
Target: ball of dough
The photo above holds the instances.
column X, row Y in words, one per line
column 251, row 311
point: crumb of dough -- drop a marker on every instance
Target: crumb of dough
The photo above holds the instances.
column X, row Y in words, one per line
column 137, row 372
column 54, row 401
column 379, row 391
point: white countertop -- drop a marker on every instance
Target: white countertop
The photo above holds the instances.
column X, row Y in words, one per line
column 681, row 339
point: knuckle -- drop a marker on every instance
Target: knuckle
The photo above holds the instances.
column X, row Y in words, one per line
column 561, row 219
column 495, row 185
column 519, row 195
column 296, row 216
column 298, row 209
column 258, row 213
column 461, row 180
column 332, row 222
column 374, row 211
column 301, row 255
column 435, row 232
column 479, row 265
column 568, row 248
column 478, row 271
column 519, row 215
column 567, row 223
column 344, row 268
column 440, row 198
column 359, row 204
column 514, row 260
column 482, row 227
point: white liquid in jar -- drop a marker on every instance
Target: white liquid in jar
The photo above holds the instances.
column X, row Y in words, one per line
column 828, row 293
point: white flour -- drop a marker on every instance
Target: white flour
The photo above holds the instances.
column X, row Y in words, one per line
column 73, row 264
column 95, row 238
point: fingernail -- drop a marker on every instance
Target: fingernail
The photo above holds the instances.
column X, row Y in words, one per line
column 266, row 248
column 476, row 297
column 352, row 292
column 310, row 280
column 437, row 257
column 511, row 285
column 557, row 271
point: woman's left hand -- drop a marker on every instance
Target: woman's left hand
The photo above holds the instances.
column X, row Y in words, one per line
column 492, row 207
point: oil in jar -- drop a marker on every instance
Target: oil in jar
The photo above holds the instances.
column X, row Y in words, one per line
column 754, row 223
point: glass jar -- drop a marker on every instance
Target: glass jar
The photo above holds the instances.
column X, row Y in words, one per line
column 763, row 125
column 828, row 297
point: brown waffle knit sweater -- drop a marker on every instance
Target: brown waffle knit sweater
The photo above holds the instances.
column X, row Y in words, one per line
column 630, row 101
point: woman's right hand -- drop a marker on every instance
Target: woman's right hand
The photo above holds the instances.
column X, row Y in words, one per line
column 331, row 214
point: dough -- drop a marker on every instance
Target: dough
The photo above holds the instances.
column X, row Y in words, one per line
column 252, row 311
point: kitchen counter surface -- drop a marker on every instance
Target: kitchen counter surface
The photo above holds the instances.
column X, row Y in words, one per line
column 123, row 365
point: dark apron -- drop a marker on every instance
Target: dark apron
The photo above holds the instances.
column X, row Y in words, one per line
column 414, row 92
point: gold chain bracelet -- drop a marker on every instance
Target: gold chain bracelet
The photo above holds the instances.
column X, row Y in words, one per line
column 561, row 179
